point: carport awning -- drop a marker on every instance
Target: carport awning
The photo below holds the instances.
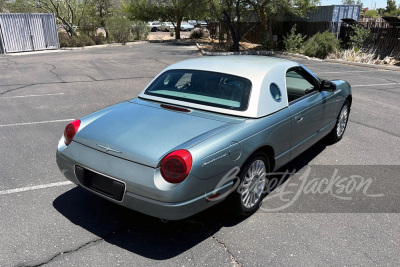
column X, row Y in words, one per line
column 350, row 21
column 393, row 21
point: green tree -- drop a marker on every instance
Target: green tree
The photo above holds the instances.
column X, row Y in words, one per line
column 140, row 30
column 21, row 6
column 68, row 12
column 232, row 11
column 380, row 11
column 391, row 9
column 360, row 37
column 235, row 14
column 371, row 14
column 165, row 10
column 3, row 6
column 390, row 6
column 270, row 10
column 102, row 11
column 119, row 28
column 293, row 41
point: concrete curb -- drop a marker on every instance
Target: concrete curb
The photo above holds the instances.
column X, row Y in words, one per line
column 262, row 53
column 64, row 49
column 105, row 45
column 269, row 53
column 382, row 67
column 177, row 42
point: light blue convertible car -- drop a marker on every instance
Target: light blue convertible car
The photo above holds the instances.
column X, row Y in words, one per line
column 203, row 130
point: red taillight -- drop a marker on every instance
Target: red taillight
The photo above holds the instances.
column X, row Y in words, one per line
column 176, row 166
column 70, row 131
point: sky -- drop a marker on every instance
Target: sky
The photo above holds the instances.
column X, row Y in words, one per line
column 367, row 3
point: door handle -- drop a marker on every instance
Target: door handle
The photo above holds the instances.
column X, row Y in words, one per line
column 298, row 118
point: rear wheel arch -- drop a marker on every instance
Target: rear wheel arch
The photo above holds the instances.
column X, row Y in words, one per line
column 350, row 99
column 247, row 197
column 269, row 153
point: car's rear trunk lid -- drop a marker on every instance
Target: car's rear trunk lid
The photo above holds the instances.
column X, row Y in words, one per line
column 145, row 132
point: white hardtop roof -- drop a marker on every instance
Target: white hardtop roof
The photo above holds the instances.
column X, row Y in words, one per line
column 260, row 70
column 250, row 67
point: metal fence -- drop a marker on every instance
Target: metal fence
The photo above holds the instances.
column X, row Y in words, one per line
column 383, row 40
column 280, row 29
column 27, row 32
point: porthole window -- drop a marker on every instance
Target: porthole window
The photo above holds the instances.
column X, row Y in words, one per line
column 275, row 92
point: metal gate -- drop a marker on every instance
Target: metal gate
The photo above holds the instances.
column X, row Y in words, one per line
column 27, row 32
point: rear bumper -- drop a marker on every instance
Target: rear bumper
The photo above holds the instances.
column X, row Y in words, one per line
column 171, row 211
column 141, row 194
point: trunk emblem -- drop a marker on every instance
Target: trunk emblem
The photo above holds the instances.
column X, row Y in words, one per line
column 107, row 148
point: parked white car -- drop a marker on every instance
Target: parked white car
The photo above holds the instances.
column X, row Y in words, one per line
column 154, row 25
column 186, row 26
column 201, row 23
column 166, row 27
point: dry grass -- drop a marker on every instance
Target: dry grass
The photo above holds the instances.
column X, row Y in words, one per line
column 213, row 45
column 361, row 57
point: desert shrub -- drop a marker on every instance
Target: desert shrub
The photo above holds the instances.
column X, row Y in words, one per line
column 267, row 42
column 360, row 37
column 119, row 29
column 140, row 30
column 63, row 38
column 222, row 34
column 321, row 44
column 99, row 39
column 197, row 33
column 292, row 41
column 86, row 40
column 80, row 41
column 74, row 41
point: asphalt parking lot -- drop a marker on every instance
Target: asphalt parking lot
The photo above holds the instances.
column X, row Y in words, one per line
column 47, row 221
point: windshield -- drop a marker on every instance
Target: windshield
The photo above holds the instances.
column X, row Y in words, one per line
column 203, row 87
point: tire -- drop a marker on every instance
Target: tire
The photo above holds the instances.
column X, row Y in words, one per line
column 341, row 123
column 246, row 199
column 154, row 29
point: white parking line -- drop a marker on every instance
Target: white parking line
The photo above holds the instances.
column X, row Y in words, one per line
column 335, row 72
column 30, row 188
column 369, row 85
column 36, row 122
column 22, row 96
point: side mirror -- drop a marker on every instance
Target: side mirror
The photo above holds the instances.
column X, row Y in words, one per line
column 327, row 86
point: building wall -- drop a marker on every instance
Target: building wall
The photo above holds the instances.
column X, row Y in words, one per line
column 335, row 13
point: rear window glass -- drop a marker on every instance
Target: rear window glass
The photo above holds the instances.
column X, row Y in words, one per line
column 203, row 87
